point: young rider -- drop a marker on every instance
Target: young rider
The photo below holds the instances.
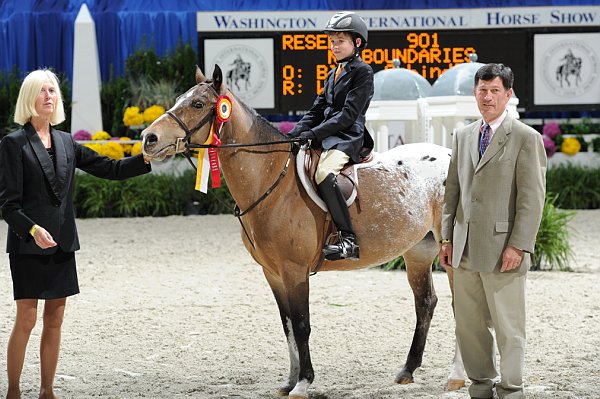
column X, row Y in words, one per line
column 336, row 123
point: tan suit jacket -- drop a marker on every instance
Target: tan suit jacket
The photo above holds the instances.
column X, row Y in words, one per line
column 496, row 201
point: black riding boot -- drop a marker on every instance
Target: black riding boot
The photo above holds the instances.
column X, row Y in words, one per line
column 346, row 247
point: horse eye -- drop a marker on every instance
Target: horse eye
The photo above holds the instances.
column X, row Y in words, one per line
column 198, row 104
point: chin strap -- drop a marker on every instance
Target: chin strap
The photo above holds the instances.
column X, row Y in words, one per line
column 351, row 57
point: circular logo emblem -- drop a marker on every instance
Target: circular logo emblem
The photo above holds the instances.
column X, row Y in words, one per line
column 569, row 68
column 245, row 70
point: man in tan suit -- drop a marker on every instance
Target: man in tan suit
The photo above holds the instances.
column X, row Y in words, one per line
column 493, row 208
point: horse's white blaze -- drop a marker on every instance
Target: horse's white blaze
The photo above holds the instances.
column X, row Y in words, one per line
column 163, row 116
column 301, row 389
column 182, row 99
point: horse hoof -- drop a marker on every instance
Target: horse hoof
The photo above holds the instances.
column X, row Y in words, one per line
column 297, row 397
column 404, row 378
column 283, row 391
column 454, row 385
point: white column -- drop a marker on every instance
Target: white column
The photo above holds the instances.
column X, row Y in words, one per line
column 86, row 111
column 382, row 140
column 423, row 121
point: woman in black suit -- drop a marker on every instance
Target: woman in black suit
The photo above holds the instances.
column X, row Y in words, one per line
column 37, row 169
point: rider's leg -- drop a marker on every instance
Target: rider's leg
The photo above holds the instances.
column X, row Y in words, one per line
column 330, row 165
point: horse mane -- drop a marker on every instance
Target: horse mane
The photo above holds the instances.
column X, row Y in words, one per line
column 264, row 130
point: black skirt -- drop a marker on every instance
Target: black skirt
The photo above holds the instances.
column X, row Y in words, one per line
column 44, row 276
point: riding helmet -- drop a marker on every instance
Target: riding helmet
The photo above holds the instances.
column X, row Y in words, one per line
column 348, row 21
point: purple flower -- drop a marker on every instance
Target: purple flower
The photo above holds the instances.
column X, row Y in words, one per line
column 286, row 126
column 549, row 145
column 82, row 135
column 551, row 129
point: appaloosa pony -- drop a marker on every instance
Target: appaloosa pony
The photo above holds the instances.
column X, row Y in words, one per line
column 401, row 195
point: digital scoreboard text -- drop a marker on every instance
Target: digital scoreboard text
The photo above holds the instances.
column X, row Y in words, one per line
column 306, row 59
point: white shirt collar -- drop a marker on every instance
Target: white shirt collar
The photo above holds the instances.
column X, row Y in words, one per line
column 495, row 124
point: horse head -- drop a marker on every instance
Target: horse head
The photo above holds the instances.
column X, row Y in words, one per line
column 188, row 121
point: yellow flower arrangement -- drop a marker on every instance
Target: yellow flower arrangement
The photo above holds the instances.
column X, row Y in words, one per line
column 95, row 147
column 136, row 148
column 126, row 147
column 152, row 113
column 113, row 149
column 132, row 117
column 101, row 135
column 570, row 146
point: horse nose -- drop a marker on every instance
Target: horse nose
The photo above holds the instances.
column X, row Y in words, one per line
column 150, row 138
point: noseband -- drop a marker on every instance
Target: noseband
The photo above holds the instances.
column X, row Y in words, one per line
column 183, row 145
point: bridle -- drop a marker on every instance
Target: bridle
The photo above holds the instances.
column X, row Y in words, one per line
column 185, row 146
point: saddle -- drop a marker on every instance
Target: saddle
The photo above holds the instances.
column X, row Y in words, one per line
column 306, row 166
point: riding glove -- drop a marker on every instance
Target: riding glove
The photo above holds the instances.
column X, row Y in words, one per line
column 305, row 136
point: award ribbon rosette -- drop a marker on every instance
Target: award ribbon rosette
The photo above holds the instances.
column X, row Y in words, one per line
column 210, row 158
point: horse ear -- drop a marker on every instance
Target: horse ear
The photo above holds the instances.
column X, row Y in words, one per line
column 217, row 78
column 199, row 75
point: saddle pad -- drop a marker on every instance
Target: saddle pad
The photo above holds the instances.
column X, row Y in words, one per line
column 309, row 188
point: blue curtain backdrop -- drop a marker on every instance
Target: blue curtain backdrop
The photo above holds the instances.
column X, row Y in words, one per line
column 39, row 33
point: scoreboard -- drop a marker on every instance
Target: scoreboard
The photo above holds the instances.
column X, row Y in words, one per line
column 305, row 58
column 302, row 59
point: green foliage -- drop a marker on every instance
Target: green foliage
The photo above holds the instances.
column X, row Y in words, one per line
column 398, row 264
column 585, row 126
column 113, row 98
column 566, row 128
column 147, row 195
column 559, row 140
column 65, row 90
column 149, row 79
column 143, row 62
column 596, row 144
column 146, row 92
column 552, row 248
column 175, row 67
column 584, row 144
column 9, row 91
column 575, row 187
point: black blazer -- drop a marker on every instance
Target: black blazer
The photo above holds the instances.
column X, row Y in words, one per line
column 337, row 116
column 33, row 191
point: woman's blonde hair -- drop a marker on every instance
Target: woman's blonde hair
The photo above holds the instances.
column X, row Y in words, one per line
column 30, row 89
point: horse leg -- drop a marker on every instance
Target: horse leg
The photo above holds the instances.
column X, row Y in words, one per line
column 418, row 269
column 292, row 300
column 457, row 376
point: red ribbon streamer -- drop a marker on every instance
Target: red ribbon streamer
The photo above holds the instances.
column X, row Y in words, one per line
column 213, row 158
